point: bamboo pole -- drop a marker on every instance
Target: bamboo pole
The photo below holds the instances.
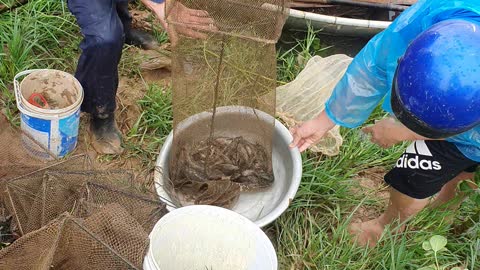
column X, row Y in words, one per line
column 299, row 4
column 394, row 2
column 358, row 3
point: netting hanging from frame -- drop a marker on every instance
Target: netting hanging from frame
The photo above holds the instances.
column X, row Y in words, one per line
column 64, row 214
column 81, row 219
column 224, row 80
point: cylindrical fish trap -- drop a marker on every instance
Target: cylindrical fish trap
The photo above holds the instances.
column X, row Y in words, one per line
column 225, row 69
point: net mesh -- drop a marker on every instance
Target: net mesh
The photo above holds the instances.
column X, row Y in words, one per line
column 258, row 20
column 98, row 222
column 69, row 215
column 108, row 239
column 23, row 196
column 305, row 97
column 223, row 81
column 19, row 153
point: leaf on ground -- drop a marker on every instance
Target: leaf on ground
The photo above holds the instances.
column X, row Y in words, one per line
column 438, row 242
column 426, row 246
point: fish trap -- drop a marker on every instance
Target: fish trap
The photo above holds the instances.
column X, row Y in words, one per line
column 230, row 64
column 79, row 220
column 70, row 216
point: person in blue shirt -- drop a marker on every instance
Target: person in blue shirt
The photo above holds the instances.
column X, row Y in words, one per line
column 106, row 25
column 425, row 68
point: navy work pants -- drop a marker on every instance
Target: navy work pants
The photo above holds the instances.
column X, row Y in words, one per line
column 103, row 24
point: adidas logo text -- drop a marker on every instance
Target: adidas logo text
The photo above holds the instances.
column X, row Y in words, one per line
column 416, row 163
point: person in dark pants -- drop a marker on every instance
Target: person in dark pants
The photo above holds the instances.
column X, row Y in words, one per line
column 106, row 25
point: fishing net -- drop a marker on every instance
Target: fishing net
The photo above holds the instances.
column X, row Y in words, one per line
column 97, row 220
column 71, row 216
column 223, row 83
column 258, row 20
column 305, row 97
column 19, row 153
column 108, row 239
column 22, row 195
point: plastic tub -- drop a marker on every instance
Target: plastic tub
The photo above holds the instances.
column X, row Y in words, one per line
column 208, row 237
column 261, row 207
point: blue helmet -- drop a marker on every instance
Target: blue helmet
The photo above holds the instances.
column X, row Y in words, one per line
column 436, row 88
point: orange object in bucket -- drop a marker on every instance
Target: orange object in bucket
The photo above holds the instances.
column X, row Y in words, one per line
column 49, row 103
column 38, row 100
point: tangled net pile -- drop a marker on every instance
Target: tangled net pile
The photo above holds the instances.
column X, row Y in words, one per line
column 68, row 215
column 220, row 84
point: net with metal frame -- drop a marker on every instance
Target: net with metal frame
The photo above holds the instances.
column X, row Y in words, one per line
column 97, row 219
column 69, row 215
column 22, row 155
column 108, row 239
column 258, row 20
column 17, row 152
column 223, row 99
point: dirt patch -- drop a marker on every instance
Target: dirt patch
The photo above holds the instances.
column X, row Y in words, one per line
column 141, row 19
column 369, row 183
column 156, row 65
column 159, row 76
column 371, row 180
column 130, row 91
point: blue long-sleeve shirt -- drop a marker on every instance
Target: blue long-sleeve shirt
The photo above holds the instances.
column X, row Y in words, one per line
column 368, row 79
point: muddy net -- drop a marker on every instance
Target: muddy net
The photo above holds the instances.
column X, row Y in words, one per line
column 223, row 80
column 20, row 153
column 74, row 243
column 64, row 214
column 78, row 220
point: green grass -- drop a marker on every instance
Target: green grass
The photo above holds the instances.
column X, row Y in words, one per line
column 152, row 127
column 291, row 61
column 41, row 34
column 312, row 233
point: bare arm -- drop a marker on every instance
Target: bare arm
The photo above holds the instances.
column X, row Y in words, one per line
column 388, row 132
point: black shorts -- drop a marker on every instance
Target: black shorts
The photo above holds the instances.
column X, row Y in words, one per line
column 426, row 166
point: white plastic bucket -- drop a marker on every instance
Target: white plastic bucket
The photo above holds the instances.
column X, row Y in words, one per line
column 56, row 130
column 208, row 237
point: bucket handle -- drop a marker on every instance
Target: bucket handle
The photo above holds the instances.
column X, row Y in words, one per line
column 18, row 94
